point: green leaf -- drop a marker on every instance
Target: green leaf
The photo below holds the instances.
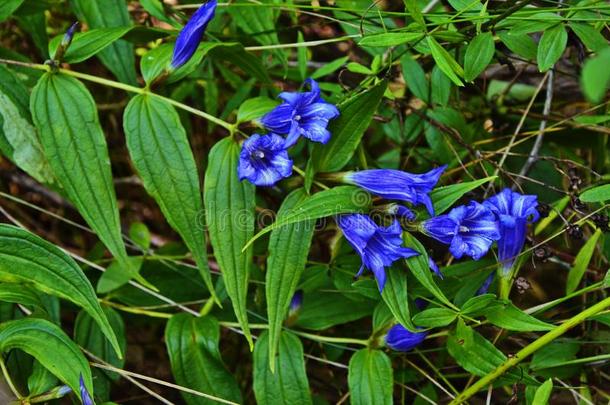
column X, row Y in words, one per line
column 596, row 194
column 254, row 108
column 445, row 62
column 161, row 154
column 508, row 316
column 288, row 250
column 581, row 262
column 337, row 200
column 236, row 54
column 395, row 295
column 595, row 77
column 370, row 378
column 415, row 77
column 192, row 345
column 444, row 197
column 521, row 44
column 537, row 22
column 479, row 53
column 48, row 344
column 390, row 39
column 230, row 217
column 329, row 68
column 551, row 46
column 347, row 130
column 288, row 385
column 434, row 317
column 413, row 8
column 155, row 8
column 26, row 258
column 66, row 117
column 257, row 22
column 7, row 7
column 421, row 270
column 86, row 44
column 591, row 37
column 88, row 335
column 543, row 393
column 118, row 57
column 477, row 304
column 322, row 310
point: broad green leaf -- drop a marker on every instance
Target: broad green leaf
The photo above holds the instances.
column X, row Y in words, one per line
column 236, row 54
column 229, row 205
column 89, row 336
column 140, row 235
column 390, row 39
column 288, row 250
column 161, row 154
column 521, row 44
column 537, row 22
column 415, row 77
column 48, row 344
column 445, row 62
column 581, row 262
column 337, row 200
column 288, row 385
column 322, row 310
column 257, row 22
column 444, row 197
column 192, row 345
column 477, row 304
column 421, row 269
column 86, row 44
column 7, row 7
column 591, row 37
column 479, row 53
column 26, row 258
column 434, row 317
column 255, row 108
column 508, row 316
column 395, row 295
column 596, row 194
column 551, row 46
column 20, row 294
column 370, row 378
column 347, row 130
column 554, row 354
column 119, row 56
column 114, row 276
column 66, row 117
column 543, row 393
column 595, row 76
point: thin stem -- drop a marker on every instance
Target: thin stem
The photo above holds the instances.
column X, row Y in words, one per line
column 9, row 381
column 530, row 349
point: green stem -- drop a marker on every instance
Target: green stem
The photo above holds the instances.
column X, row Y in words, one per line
column 7, row 377
column 530, row 349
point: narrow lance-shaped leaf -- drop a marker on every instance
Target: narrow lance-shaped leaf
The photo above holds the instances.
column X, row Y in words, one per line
column 288, row 249
column 551, row 46
column 370, row 378
column 395, row 295
column 26, row 258
column 192, row 345
column 479, row 53
column 66, row 117
column 445, row 61
column 288, row 385
column 161, row 153
column 230, row 207
column 86, row 44
column 48, row 344
column 583, row 258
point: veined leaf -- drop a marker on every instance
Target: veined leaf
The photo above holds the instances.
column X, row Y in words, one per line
column 86, row 44
column 395, row 295
column 288, row 385
column 66, row 117
column 370, row 378
column 288, row 250
column 551, row 46
column 230, row 207
column 337, row 200
column 255, row 108
column 479, row 53
column 415, row 13
column 445, row 61
column 444, row 197
column 596, row 194
column 435, row 317
column 581, row 262
column 415, row 77
column 347, row 130
column 390, row 39
column 26, row 258
column 508, row 316
column 192, row 344
column 161, row 153
column 323, row 310
column 48, row 344
column 118, row 57
column 521, row 44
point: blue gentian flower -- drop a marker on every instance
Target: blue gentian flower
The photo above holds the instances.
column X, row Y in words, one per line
column 468, row 230
column 301, row 114
column 264, row 160
column 190, row 36
column 401, row 339
column 433, row 266
column 513, row 211
column 486, row 284
column 398, row 185
column 84, row 394
column 295, row 303
column 378, row 247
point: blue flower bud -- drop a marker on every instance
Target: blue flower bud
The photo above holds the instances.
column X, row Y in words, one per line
column 190, row 36
column 84, row 394
column 401, row 339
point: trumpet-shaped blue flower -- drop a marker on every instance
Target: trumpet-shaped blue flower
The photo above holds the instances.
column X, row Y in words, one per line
column 401, row 339
column 264, row 160
column 468, row 230
column 301, row 114
column 513, row 212
column 84, row 394
column 398, row 185
column 378, row 247
column 190, row 36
